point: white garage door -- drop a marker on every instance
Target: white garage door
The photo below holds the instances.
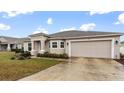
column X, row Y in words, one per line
column 98, row 49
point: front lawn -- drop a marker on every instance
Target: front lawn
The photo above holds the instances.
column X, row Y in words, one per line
column 16, row 69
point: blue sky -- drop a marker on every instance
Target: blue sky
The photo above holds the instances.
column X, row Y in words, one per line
column 22, row 24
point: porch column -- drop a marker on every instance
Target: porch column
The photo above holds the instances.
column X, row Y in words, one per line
column 8, row 47
column 32, row 45
column 0, row 47
column 42, row 46
column 33, row 52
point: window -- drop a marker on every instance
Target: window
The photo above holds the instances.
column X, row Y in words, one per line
column 61, row 44
column 49, row 44
column 54, row 44
column 29, row 46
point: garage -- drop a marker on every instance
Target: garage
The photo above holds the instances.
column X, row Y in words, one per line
column 98, row 49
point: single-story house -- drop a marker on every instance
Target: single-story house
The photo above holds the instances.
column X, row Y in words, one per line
column 74, row 43
column 78, row 44
column 9, row 43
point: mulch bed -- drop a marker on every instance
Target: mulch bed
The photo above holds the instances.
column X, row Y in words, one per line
column 120, row 61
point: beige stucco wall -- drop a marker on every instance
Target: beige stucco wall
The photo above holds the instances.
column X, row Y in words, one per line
column 117, row 48
column 47, row 49
column 57, row 51
column 38, row 38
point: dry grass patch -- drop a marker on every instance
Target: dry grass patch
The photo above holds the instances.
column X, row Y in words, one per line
column 16, row 69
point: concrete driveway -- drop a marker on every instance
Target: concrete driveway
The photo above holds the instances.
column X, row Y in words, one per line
column 82, row 69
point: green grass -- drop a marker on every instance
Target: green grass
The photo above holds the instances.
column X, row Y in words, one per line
column 16, row 69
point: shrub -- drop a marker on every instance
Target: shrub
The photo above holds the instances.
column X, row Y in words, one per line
column 12, row 58
column 39, row 55
column 52, row 55
column 46, row 54
column 13, row 50
column 64, row 55
column 26, row 54
column 18, row 50
column 121, row 56
column 21, row 57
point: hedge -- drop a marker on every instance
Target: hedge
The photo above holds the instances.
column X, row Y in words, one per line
column 53, row 55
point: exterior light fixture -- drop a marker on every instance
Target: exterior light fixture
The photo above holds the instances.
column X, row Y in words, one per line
column 116, row 42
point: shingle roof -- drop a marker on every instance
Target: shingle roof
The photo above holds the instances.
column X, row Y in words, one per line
column 76, row 33
column 21, row 40
column 14, row 40
column 8, row 39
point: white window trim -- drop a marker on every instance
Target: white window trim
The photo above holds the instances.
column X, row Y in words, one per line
column 60, row 44
column 52, row 44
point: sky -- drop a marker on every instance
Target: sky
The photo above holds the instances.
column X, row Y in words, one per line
column 24, row 23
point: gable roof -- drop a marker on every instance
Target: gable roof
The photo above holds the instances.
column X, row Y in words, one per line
column 78, row 34
column 38, row 34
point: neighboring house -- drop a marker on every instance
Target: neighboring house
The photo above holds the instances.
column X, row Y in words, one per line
column 78, row 44
column 24, row 43
column 74, row 43
column 9, row 43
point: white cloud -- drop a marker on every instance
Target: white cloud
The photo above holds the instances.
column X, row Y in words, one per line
column 88, row 27
column 120, row 19
column 4, row 26
column 99, row 12
column 50, row 21
column 67, row 29
column 117, row 23
column 9, row 14
column 84, row 27
column 39, row 30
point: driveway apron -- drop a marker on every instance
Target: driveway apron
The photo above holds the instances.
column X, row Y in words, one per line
column 83, row 69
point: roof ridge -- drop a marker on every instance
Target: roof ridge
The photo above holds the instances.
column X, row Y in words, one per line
column 8, row 37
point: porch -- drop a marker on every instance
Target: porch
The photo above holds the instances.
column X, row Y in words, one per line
column 38, row 46
column 7, row 47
